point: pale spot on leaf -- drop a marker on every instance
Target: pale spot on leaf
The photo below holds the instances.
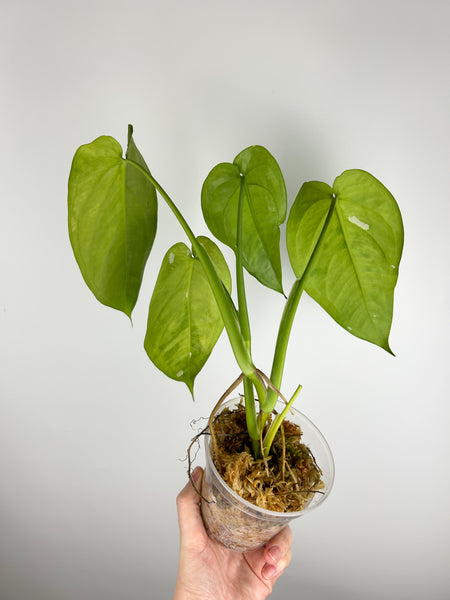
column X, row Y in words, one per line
column 359, row 223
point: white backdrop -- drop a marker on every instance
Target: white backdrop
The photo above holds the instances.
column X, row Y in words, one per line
column 92, row 436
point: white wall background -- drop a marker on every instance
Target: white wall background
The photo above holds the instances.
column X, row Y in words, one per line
column 87, row 497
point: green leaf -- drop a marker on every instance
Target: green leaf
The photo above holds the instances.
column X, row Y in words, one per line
column 184, row 322
column 354, row 271
column 264, row 210
column 112, row 220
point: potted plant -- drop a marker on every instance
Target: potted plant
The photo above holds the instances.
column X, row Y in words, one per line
column 344, row 244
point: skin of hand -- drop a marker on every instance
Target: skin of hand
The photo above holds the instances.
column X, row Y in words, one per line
column 208, row 571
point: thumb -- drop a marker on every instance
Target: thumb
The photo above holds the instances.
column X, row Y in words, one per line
column 188, row 506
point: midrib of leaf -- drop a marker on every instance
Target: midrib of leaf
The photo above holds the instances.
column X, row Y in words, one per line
column 191, row 269
column 124, row 202
column 98, row 225
column 88, row 201
column 358, row 278
column 227, row 207
column 252, row 212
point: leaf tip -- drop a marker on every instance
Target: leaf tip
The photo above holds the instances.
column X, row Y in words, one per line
column 385, row 346
column 127, row 312
column 389, row 351
column 130, row 132
column 190, row 386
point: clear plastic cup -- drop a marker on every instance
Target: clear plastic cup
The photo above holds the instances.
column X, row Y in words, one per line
column 242, row 526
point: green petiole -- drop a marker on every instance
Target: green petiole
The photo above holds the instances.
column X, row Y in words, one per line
column 250, row 409
column 223, row 299
column 287, row 320
column 270, row 435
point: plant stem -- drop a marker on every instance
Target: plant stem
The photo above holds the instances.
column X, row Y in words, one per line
column 223, row 299
column 287, row 318
column 250, row 409
column 251, row 417
column 284, row 331
column 242, row 300
column 270, row 435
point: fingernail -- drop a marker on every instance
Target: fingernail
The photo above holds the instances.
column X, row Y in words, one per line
column 275, row 553
column 268, row 571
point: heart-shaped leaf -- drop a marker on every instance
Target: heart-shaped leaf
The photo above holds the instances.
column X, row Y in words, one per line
column 184, row 322
column 264, row 209
column 354, row 270
column 112, row 220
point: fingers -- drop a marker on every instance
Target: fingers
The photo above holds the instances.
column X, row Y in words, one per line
column 277, row 547
column 189, row 517
column 272, row 571
column 277, row 554
column 268, row 563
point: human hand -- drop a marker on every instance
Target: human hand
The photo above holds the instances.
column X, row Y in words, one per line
column 208, row 571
